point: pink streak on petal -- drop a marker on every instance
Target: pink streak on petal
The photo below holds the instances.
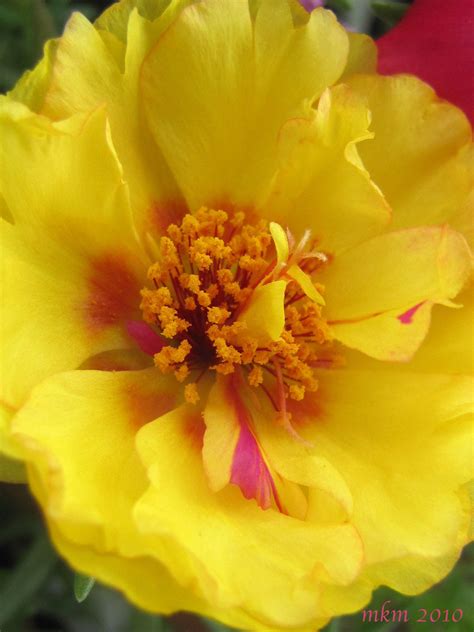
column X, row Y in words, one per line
column 407, row 317
column 249, row 470
column 148, row 340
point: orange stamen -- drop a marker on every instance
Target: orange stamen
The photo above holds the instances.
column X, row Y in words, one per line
column 208, row 269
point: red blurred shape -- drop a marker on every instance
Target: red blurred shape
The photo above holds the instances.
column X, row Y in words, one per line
column 435, row 41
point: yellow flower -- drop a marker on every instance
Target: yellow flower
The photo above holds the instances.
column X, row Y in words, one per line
column 232, row 362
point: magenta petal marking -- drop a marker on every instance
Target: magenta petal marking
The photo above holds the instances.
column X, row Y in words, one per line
column 249, row 470
column 407, row 317
column 148, row 340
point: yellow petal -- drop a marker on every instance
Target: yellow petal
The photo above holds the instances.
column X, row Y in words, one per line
column 115, row 18
column 462, row 219
column 32, row 87
column 216, row 116
column 77, row 436
column 280, row 240
column 265, row 314
column 87, row 72
column 221, row 528
column 233, row 451
column 396, row 270
column 394, row 335
column 76, row 281
column 379, row 294
column 220, row 438
column 409, row 516
column 447, row 349
column 322, row 183
column 12, row 469
column 46, row 198
column 143, row 579
column 74, row 312
column 71, row 93
column 362, row 56
column 7, row 445
column 304, row 281
column 420, row 156
column 301, row 463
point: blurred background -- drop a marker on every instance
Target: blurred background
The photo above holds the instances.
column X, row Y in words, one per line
column 38, row 592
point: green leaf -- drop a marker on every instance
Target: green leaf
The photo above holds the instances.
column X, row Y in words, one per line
column 82, row 586
column 390, row 12
column 27, row 578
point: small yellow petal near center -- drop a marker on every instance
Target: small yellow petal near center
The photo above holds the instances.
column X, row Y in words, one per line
column 281, row 242
column 304, row 281
column 265, row 315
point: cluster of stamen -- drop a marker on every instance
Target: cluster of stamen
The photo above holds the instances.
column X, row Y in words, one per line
column 207, row 271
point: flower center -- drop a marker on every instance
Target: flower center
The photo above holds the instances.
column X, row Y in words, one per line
column 213, row 276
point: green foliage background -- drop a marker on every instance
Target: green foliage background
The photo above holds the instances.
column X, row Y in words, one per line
column 38, row 592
